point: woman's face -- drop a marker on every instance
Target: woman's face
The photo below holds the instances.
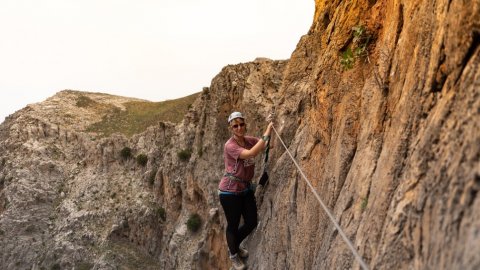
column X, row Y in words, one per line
column 238, row 127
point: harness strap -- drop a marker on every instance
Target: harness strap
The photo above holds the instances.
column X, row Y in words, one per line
column 234, row 178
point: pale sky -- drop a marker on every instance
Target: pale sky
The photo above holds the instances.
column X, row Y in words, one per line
column 148, row 49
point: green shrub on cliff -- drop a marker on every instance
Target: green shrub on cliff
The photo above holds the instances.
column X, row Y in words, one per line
column 184, row 155
column 364, row 203
column 194, row 222
column 142, row 160
column 347, row 59
column 358, row 49
column 126, row 153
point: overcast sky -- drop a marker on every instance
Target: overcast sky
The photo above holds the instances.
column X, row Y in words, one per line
column 149, row 49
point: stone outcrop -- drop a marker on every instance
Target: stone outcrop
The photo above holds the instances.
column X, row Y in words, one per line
column 379, row 104
column 392, row 145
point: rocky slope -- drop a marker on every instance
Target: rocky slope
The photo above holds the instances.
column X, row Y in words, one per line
column 379, row 104
column 70, row 199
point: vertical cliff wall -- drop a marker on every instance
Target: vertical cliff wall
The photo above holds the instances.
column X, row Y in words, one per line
column 392, row 144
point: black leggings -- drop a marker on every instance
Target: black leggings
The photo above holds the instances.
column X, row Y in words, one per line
column 235, row 206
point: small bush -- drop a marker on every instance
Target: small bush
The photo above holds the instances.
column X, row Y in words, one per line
column 126, row 153
column 359, row 32
column 361, row 40
column 364, row 204
column 184, row 155
column 161, row 213
column 194, row 222
column 55, row 267
column 347, row 59
column 142, row 159
column 358, row 49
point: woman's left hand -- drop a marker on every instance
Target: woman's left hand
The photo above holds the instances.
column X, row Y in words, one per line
column 270, row 117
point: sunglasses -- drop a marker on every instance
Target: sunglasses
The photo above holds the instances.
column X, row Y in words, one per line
column 239, row 125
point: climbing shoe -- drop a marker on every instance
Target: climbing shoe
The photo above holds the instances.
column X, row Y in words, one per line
column 237, row 262
column 243, row 253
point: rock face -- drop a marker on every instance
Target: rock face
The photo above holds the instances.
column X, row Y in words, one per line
column 392, row 145
column 379, row 104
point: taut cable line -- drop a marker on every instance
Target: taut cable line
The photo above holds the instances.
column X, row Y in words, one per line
column 330, row 215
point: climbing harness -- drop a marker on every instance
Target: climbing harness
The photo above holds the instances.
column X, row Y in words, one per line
column 330, row 215
column 232, row 177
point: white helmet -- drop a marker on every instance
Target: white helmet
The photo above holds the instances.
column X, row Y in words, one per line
column 235, row 115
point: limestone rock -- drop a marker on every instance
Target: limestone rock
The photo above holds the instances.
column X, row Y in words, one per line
column 391, row 142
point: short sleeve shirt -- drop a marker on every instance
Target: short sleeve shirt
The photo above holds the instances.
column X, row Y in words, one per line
column 241, row 168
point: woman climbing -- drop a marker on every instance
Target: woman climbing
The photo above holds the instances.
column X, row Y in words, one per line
column 235, row 188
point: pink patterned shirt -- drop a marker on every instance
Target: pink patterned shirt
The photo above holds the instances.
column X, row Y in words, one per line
column 241, row 168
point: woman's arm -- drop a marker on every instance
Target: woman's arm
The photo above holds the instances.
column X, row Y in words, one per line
column 259, row 146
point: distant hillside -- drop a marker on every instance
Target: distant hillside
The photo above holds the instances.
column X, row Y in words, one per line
column 103, row 114
column 138, row 115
